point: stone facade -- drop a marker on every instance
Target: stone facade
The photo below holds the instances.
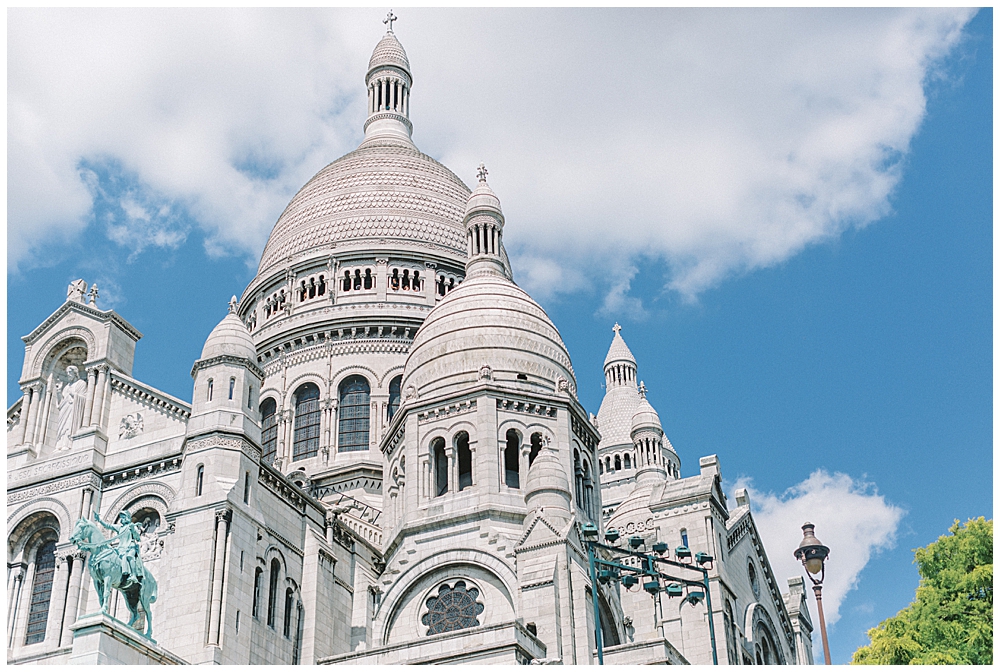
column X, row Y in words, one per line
column 384, row 459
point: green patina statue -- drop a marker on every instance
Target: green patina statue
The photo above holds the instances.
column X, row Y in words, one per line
column 115, row 564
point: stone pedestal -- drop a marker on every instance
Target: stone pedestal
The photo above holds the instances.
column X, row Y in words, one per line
column 99, row 639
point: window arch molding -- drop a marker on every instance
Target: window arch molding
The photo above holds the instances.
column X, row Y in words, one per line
column 54, row 348
column 497, row 581
column 38, row 514
column 153, row 495
column 354, row 413
column 289, row 396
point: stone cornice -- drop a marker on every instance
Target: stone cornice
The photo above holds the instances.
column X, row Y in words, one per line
column 86, row 479
column 103, row 316
column 226, row 359
column 149, row 395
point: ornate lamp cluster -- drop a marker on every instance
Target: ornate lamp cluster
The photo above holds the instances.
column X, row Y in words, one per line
column 653, row 572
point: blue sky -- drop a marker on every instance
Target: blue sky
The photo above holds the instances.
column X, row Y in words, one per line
column 852, row 337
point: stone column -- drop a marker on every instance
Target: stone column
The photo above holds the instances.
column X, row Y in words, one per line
column 57, row 601
column 43, row 415
column 22, row 424
column 88, row 407
column 222, row 519
column 102, row 383
column 382, row 104
column 85, row 502
column 31, row 394
column 72, row 599
column 14, row 584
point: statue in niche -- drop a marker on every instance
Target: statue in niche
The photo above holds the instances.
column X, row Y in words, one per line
column 76, row 290
column 70, row 397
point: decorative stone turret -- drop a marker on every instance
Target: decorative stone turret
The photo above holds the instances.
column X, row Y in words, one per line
column 547, row 488
column 484, row 231
column 389, row 81
column 655, row 457
column 619, row 365
column 227, row 381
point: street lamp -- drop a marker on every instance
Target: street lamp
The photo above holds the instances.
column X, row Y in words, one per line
column 813, row 556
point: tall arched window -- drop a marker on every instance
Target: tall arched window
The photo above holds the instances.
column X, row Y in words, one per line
column 628, row 461
column 536, row 447
column 272, row 591
column 306, row 441
column 41, row 592
column 440, row 459
column 394, row 395
column 618, row 462
column 355, row 411
column 464, row 461
column 512, row 460
column 256, row 592
column 232, row 387
column 287, row 626
column 199, row 480
column 268, row 430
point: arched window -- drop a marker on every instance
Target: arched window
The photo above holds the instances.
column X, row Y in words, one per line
column 272, row 591
column 256, row 592
column 357, row 279
column 394, row 395
column 607, row 464
column 355, row 411
column 684, row 537
column 536, row 446
column 394, row 280
column 416, row 281
column 511, row 460
column 287, row 626
column 464, row 461
column 321, row 290
column 600, row 467
column 628, row 461
column 406, row 279
column 249, row 396
column 440, row 460
column 306, row 440
column 618, row 462
column 246, row 488
column 369, row 280
column 232, row 387
column 210, row 389
column 347, row 281
column 41, row 592
column 268, row 430
column 578, row 477
column 199, row 480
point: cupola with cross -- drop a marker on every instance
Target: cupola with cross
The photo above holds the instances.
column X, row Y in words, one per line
column 484, row 230
column 388, row 81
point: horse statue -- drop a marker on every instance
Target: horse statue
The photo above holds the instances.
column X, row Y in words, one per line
column 117, row 566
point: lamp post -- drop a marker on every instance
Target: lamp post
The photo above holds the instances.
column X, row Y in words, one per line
column 813, row 556
column 608, row 567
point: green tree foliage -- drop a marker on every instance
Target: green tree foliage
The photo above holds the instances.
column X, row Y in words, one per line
column 951, row 620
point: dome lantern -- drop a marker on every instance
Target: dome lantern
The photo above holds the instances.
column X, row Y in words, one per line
column 484, row 230
column 388, row 81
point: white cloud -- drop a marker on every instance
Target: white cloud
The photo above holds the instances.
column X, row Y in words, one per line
column 851, row 518
column 713, row 141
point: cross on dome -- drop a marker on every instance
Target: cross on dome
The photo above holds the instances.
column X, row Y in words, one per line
column 389, row 18
column 481, row 173
column 617, row 328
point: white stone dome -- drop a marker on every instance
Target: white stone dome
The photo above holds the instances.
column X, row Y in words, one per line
column 619, row 352
column 486, row 329
column 483, row 198
column 230, row 337
column 645, row 417
column 390, row 52
column 386, row 189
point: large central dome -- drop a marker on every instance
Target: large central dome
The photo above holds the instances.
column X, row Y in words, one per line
column 386, row 188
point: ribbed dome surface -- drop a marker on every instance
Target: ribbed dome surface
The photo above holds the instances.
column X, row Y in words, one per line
column 389, row 52
column 385, row 188
column 614, row 419
column 487, row 320
column 230, row 337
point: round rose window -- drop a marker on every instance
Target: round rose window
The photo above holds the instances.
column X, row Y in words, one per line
column 453, row 608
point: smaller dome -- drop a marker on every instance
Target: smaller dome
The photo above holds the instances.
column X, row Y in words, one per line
column 389, row 52
column 645, row 417
column 618, row 352
column 547, row 484
column 483, row 198
column 230, row 337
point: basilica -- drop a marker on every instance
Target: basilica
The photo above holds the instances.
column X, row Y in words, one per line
column 383, row 460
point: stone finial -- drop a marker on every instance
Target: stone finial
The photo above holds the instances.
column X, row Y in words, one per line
column 93, row 295
column 481, row 172
column 389, row 18
column 642, row 388
column 617, row 329
column 76, row 290
column 233, row 304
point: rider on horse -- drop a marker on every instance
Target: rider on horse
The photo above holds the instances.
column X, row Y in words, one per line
column 128, row 545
